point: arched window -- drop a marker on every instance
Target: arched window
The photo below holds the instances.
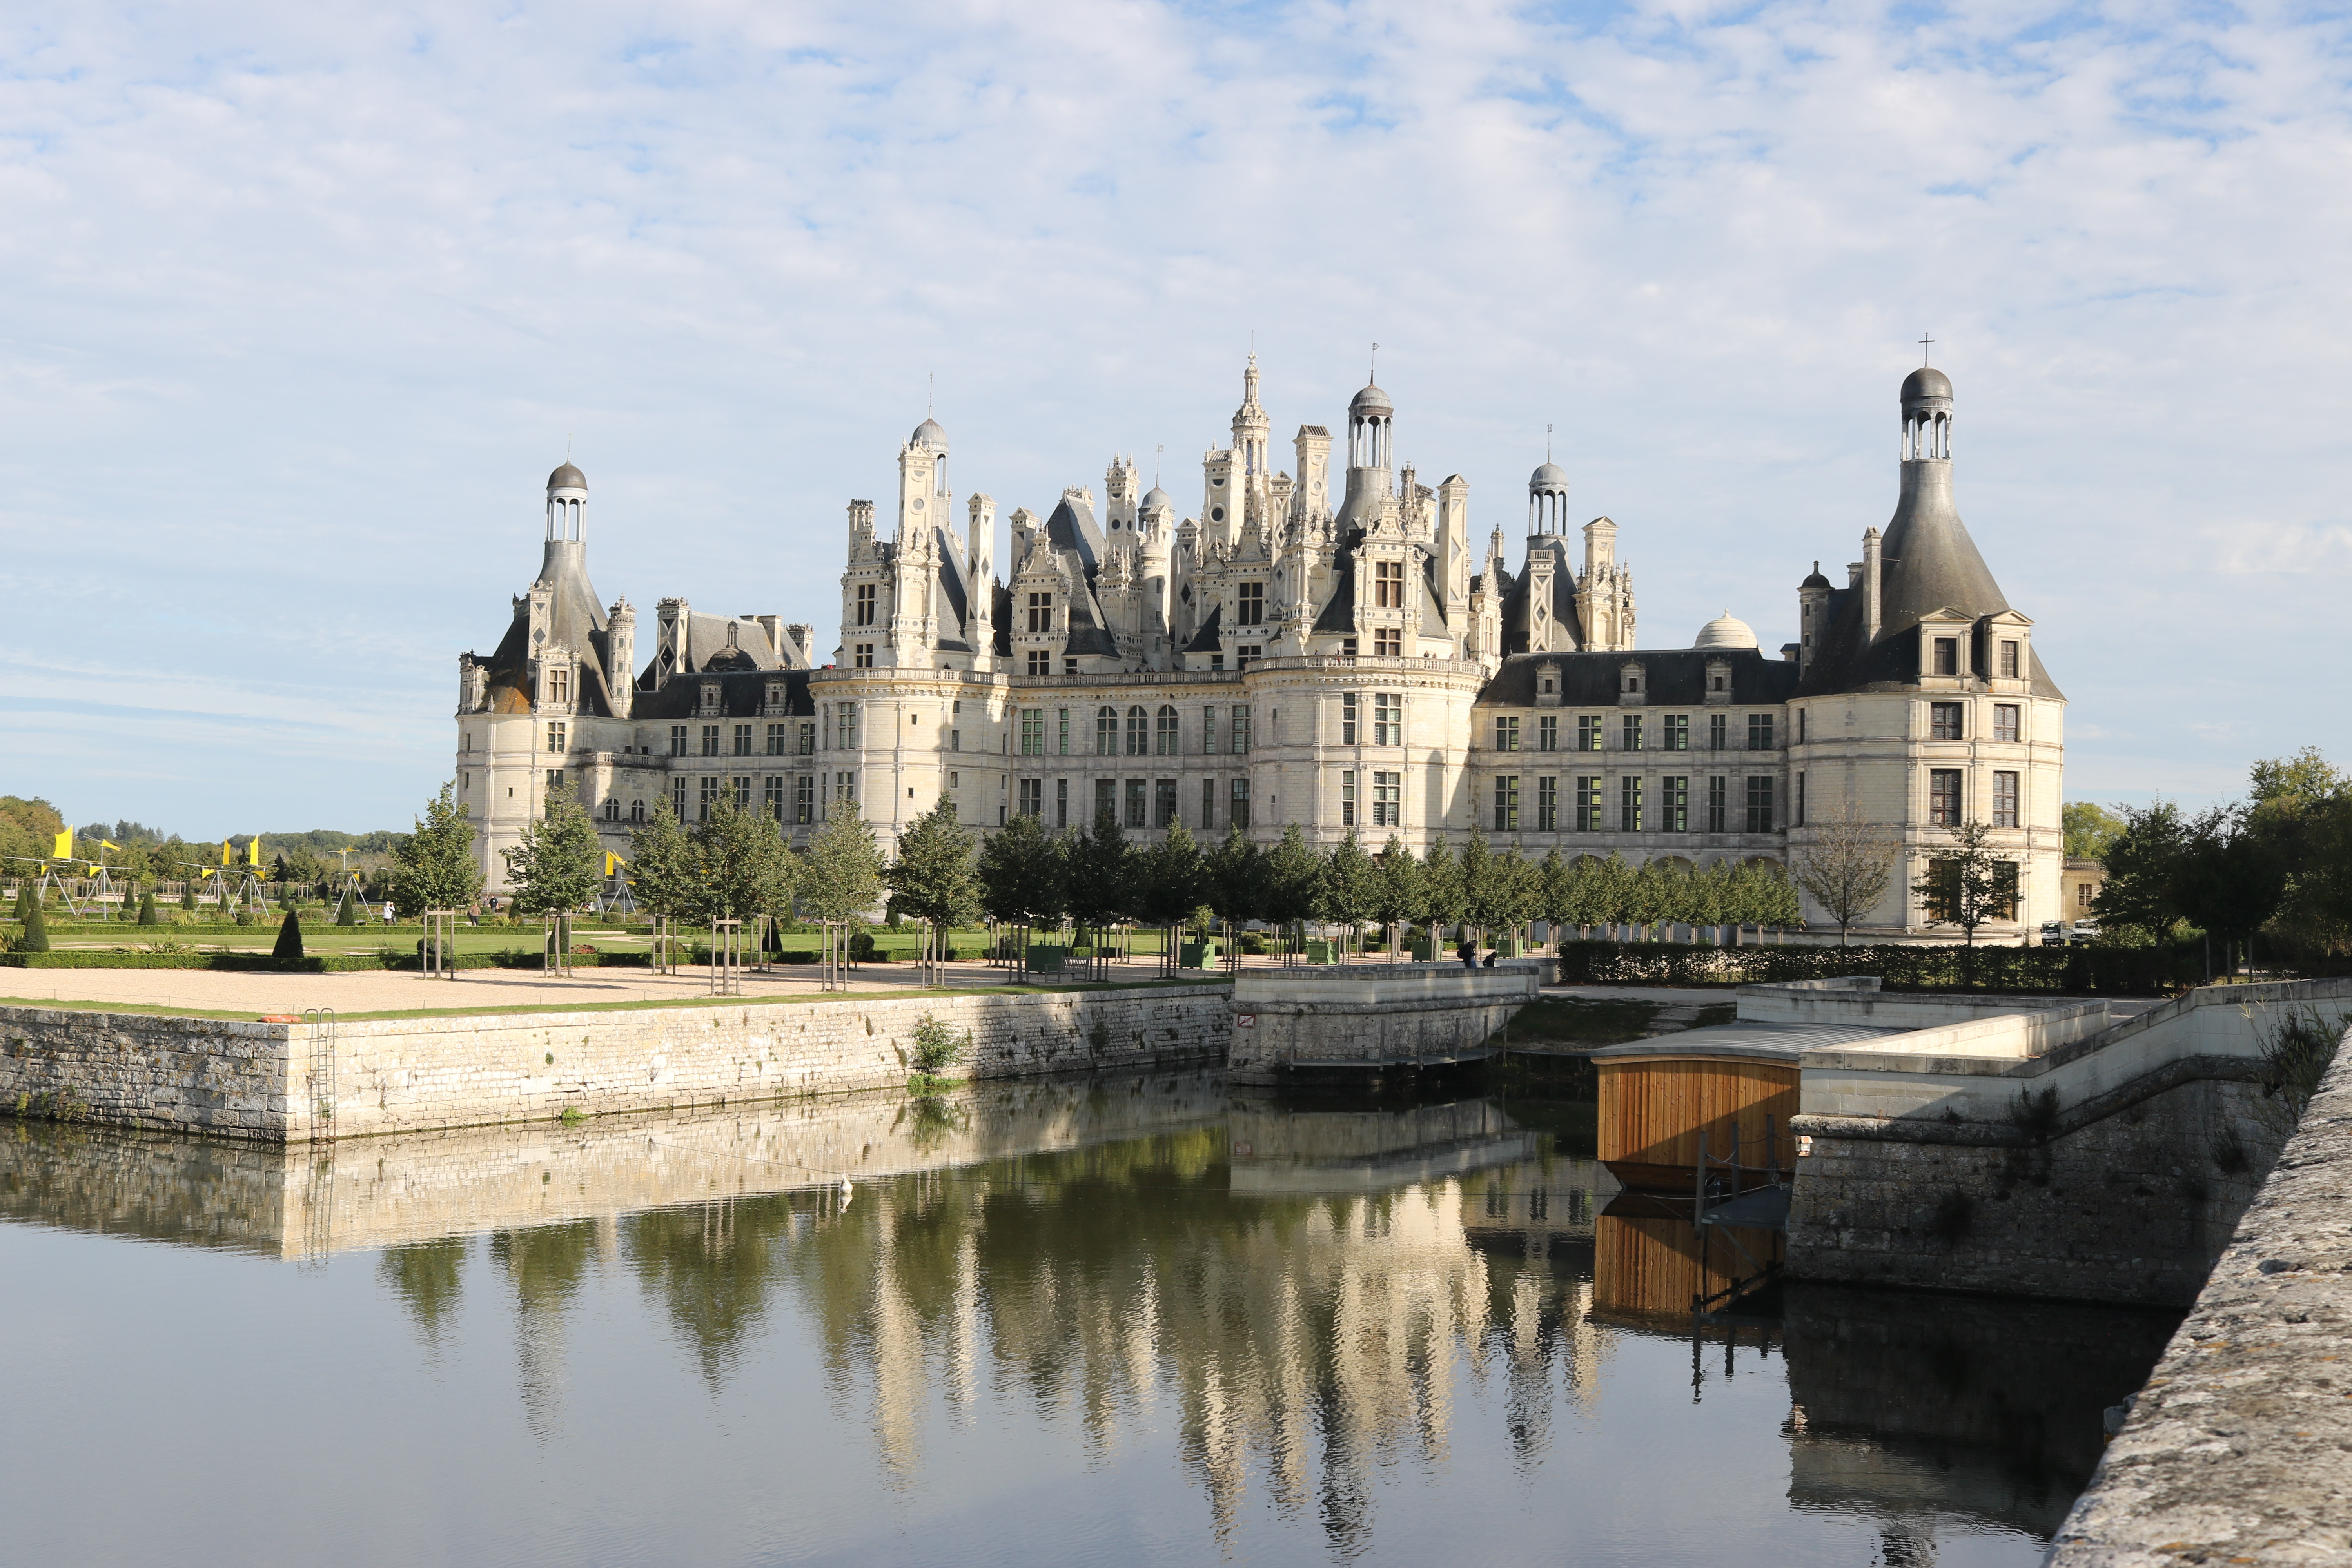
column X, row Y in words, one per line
column 637, row 811
column 1105, row 732
column 613, row 809
column 1139, row 732
column 1167, row 729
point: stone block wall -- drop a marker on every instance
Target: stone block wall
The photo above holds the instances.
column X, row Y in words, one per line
column 1370, row 1016
column 268, row 1081
column 2132, row 1207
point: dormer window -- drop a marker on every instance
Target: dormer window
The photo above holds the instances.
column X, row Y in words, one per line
column 1947, row 655
column 866, row 604
column 558, row 685
column 1548, row 686
column 2009, row 660
column 1249, row 605
column 710, row 697
column 1633, row 684
column 1715, row 682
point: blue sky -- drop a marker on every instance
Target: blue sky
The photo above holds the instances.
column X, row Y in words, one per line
column 301, row 303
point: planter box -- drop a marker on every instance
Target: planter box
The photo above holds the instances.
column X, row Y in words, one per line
column 1044, row 960
column 1197, row 955
column 1322, row 953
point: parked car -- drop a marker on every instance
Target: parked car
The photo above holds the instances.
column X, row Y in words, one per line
column 2083, row 933
column 2054, row 933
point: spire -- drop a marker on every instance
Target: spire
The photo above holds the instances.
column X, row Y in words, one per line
column 1930, row 561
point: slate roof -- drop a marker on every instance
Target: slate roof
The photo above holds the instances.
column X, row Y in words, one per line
column 1563, row 601
column 1209, row 638
column 575, row 620
column 742, row 695
column 1674, row 678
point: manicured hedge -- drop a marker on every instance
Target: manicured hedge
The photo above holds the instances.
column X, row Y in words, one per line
column 316, row 964
column 2058, row 971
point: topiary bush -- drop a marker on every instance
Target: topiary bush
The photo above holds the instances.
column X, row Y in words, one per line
column 290, row 937
column 35, row 937
column 147, row 914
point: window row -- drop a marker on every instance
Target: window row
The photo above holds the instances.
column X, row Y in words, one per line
column 1635, row 803
column 1949, row 721
column 2008, row 661
column 792, row 739
column 1134, row 803
column 1136, row 732
column 791, row 799
column 1387, row 718
column 1948, row 804
column 1634, row 732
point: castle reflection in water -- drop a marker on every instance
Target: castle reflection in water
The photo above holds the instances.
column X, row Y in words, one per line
column 1303, row 1293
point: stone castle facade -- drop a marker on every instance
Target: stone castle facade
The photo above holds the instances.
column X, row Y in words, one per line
column 1340, row 654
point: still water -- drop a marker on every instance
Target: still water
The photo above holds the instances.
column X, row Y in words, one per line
column 1122, row 1321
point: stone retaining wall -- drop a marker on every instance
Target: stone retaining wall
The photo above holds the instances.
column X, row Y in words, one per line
column 2239, row 1449
column 270, row 1081
column 1368, row 1016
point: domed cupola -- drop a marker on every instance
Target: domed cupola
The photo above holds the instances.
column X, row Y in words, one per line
column 1370, row 419
column 930, row 437
column 567, row 478
column 1927, row 417
column 1548, row 499
column 567, row 499
column 1725, row 631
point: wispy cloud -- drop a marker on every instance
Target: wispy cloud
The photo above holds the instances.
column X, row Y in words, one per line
column 303, row 302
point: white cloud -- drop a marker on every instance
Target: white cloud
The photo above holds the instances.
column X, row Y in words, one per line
column 305, row 301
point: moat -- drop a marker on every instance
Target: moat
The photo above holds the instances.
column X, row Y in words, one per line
column 1132, row 1319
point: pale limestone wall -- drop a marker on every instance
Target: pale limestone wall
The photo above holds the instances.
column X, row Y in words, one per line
column 267, row 1081
column 1858, row 1002
column 1369, row 1015
column 296, row 1202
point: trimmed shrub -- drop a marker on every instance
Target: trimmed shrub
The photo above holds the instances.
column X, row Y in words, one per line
column 147, row 915
column 349, row 914
column 2050, row 971
column 35, row 937
column 290, row 937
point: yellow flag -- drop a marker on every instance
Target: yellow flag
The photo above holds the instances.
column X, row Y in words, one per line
column 253, row 850
column 226, row 858
column 613, row 862
column 109, row 844
column 64, row 848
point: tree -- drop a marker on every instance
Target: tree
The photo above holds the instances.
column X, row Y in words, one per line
column 842, row 874
column 1709, row 892
column 2229, row 877
column 290, row 937
column 1099, row 887
column 1233, row 879
column 35, row 937
column 558, row 861
column 188, row 890
column 665, row 871
column 1612, row 890
column 1351, row 885
column 742, row 867
column 1441, row 888
column 1648, row 896
column 1481, row 888
column 1294, row 879
column 933, row 879
column 1021, row 874
column 1555, row 894
column 1969, row 883
column 1520, row 889
column 2142, row 884
column 2319, row 893
column 1397, row 894
column 433, row 867
column 1168, row 879
column 1849, row 866
column 147, row 915
column 2089, row 829
column 347, row 913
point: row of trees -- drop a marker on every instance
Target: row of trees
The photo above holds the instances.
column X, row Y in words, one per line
column 2278, row 862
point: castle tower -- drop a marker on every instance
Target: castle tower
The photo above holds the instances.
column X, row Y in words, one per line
column 1371, row 418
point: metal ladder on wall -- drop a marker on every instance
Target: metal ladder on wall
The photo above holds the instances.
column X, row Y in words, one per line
column 321, row 1022
column 318, row 1221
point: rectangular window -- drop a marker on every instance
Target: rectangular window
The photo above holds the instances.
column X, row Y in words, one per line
column 1033, row 732
column 1388, row 718
column 558, row 685
column 1759, row 804
column 775, row 740
column 1797, row 806
column 1105, row 732
column 2004, row 890
column 1106, row 797
column 1760, row 732
column 1139, row 732
column 1208, row 805
column 2086, row 896
column 1629, row 804
column 955, row 740
column 1208, row 731
column 1243, row 655
column 1387, row 642
column 1347, row 647
column 804, row 799
column 708, row 797
column 1241, row 732
column 555, row 778
column 1944, row 797
column 1718, row 810
column 1388, row 800
column 1061, row 803
column 1240, row 817
column 1943, row 721
column 1348, row 719
column 743, row 793
column 1948, row 656
column 1587, row 803
column 555, row 739
column 2005, row 800
column 1673, row 733
column 711, row 740
column 1346, row 800
column 1163, row 803
column 1587, row 731
column 1718, row 726
column 808, row 736
column 1033, row 797
column 1507, row 733
column 1630, row 728
column 1165, row 740
column 1548, row 805
column 845, row 787
column 2009, row 662
column 848, row 712
column 1506, row 806
column 1249, row 608
column 742, row 740
column 1139, row 802
column 1547, row 732
column 2004, row 721
column 1041, row 661
column 866, row 604
column 1674, row 802
column 864, row 656
column 1063, row 750
column 1041, row 615
column 678, row 798
column 1388, row 585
